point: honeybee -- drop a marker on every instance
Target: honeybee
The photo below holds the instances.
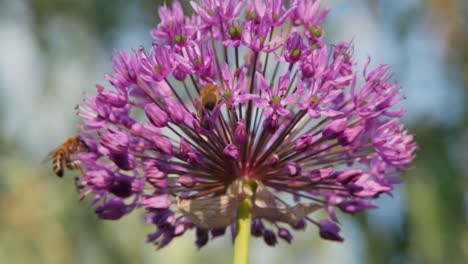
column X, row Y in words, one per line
column 209, row 96
column 61, row 156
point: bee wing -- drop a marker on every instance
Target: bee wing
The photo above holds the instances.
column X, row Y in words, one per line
column 49, row 156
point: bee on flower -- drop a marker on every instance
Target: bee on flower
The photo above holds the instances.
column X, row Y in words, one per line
column 242, row 101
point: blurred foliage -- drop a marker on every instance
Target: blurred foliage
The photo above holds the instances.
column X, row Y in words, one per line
column 435, row 228
column 42, row 223
column 102, row 17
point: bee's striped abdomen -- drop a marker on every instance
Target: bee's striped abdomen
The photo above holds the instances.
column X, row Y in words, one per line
column 58, row 163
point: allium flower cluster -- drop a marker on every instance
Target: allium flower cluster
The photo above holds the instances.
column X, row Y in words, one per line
column 241, row 91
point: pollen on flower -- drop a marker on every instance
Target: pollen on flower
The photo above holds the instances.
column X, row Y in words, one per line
column 315, row 31
column 285, row 112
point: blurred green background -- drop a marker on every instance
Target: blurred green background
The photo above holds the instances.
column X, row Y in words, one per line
column 53, row 51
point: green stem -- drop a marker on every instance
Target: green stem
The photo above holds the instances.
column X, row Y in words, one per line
column 243, row 223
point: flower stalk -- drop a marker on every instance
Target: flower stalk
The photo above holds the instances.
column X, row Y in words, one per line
column 243, row 221
column 243, row 224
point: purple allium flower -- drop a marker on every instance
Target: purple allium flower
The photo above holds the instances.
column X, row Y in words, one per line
column 299, row 123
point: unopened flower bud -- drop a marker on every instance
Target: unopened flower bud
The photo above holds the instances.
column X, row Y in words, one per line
column 175, row 111
column 292, row 169
column 273, row 161
column 334, row 128
column 329, row 230
column 112, row 210
column 271, row 123
column 349, row 135
column 163, row 144
column 285, row 235
column 231, row 151
column 240, row 134
column 303, row 142
column 269, row 237
column 156, row 115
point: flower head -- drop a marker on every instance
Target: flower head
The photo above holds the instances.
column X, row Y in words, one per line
column 299, row 122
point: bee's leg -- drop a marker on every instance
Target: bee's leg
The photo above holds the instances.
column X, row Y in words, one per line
column 205, row 121
column 79, row 187
column 70, row 165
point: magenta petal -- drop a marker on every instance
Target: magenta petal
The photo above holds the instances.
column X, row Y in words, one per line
column 330, row 231
column 260, row 102
column 156, row 202
column 356, row 206
column 156, row 115
column 334, row 128
column 246, row 97
column 282, row 111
